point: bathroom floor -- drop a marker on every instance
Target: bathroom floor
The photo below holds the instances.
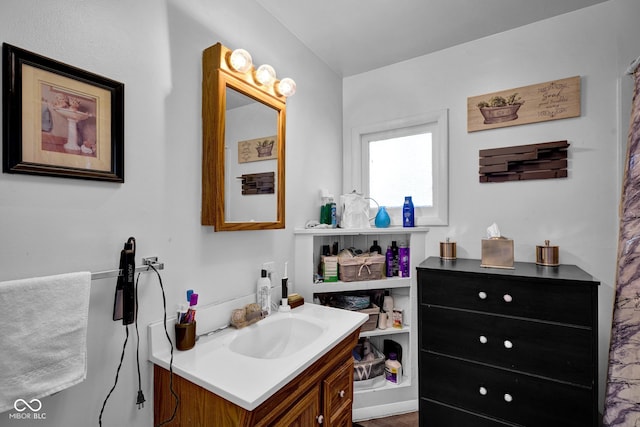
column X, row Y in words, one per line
column 404, row 420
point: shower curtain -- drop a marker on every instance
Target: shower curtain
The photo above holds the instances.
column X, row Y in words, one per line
column 622, row 398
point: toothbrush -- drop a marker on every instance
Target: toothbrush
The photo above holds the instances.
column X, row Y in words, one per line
column 191, row 313
column 285, row 292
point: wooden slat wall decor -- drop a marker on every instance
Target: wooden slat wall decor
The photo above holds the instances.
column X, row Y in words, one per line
column 524, row 162
column 258, row 183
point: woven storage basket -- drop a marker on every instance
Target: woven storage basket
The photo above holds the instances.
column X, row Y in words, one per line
column 369, row 267
column 372, row 323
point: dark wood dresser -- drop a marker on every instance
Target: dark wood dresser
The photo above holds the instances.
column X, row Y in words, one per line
column 502, row 347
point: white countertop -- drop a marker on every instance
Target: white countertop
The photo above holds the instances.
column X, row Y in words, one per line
column 244, row 380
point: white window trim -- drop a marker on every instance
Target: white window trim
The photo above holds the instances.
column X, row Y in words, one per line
column 353, row 157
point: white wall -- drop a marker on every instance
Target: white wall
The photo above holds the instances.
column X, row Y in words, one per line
column 54, row 225
column 578, row 213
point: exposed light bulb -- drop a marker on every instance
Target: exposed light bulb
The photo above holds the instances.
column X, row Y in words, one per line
column 240, row 60
column 286, row 87
column 265, row 75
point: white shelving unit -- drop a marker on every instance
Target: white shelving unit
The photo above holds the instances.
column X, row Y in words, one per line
column 383, row 398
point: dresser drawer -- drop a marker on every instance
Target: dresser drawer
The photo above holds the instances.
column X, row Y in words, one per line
column 558, row 301
column 434, row 414
column 545, row 349
column 496, row 393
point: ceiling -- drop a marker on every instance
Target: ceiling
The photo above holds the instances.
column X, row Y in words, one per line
column 355, row 36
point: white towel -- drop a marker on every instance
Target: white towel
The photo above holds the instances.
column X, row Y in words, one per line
column 43, row 343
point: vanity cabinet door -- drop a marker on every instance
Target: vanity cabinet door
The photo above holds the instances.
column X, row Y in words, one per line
column 304, row 413
column 338, row 395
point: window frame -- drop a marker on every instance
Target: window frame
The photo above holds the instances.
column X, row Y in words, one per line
column 356, row 165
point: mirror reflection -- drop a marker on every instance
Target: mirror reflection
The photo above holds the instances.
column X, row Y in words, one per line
column 243, row 143
column 251, row 159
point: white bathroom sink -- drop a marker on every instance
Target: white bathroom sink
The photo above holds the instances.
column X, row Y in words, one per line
column 280, row 337
column 246, row 366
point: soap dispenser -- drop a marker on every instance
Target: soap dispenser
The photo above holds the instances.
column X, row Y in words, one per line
column 263, row 292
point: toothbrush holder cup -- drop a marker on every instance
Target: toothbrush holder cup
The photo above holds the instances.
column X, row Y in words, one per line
column 185, row 335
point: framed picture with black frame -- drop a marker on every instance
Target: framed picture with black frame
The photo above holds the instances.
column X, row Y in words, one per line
column 59, row 120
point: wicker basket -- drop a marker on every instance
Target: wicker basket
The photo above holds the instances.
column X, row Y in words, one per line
column 356, row 268
column 372, row 323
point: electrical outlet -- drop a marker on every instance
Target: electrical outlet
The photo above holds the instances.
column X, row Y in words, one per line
column 270, row 266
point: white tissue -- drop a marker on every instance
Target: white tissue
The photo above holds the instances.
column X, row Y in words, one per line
column 493, row 232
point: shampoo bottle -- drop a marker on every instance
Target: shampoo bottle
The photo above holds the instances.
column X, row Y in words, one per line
column 389, row 262
column 403, row 260
column 263, row 292
column 375, row 248
column 396, row 257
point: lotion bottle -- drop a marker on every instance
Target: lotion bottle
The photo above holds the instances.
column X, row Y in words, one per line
column 408, row 212
column 393, row 369
column 263, row 292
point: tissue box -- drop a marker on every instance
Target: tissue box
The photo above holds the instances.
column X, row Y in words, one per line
column 497, row 253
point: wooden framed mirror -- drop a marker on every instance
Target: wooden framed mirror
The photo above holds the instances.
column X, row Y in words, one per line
column 243, row 148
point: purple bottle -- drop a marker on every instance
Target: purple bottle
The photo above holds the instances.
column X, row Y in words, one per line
column 403, row 261
column 389, row 259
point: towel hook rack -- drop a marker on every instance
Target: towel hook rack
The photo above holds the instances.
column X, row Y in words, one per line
column 147, row 263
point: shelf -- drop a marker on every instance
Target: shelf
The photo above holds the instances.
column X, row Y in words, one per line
column 389, row 331
column 406, row 382
column 379, row 398
column 365, row 285
column 359, row 231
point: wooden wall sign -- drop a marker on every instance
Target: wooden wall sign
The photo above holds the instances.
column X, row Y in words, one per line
column 535, row 161
column 254, row 150
column 258, row 183
column 558, row 99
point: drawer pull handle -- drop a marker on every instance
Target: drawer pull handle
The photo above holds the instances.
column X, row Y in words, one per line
column 320, row 419
column 341, row 393
column 508, row 397
column 482, row 295
column 507, row 298
column 483, row 339
column 508, row 344
column 483, row 391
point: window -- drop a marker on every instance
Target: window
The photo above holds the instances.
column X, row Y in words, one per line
column 406, row 157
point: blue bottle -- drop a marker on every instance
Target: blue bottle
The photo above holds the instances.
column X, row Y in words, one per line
column 407, row 212
column 382, row 218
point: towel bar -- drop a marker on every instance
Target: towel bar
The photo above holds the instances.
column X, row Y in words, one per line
column 147, row 263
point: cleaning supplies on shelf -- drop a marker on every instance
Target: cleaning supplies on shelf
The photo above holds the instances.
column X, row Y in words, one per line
column 263, row 292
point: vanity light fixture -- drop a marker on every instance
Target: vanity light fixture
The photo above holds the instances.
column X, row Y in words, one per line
column 286, row 87
column 240, row 60
column 265, row 75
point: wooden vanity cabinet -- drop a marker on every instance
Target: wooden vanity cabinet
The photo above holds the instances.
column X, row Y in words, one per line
column 507, row 347
column 320, row 395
